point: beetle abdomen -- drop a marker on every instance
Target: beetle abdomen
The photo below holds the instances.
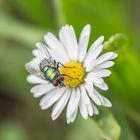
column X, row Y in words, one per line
column 50, row 73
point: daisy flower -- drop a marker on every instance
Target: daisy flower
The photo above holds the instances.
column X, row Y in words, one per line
column 68, row 74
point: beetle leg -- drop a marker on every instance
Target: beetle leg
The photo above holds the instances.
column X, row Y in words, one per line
column 69, row 76
column 59, row 63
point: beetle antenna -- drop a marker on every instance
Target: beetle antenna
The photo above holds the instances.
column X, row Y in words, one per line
column 63, row 65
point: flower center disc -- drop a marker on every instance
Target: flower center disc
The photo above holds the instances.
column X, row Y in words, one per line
column 74, row 73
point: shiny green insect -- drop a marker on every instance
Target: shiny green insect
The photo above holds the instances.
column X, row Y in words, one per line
column 48, row 68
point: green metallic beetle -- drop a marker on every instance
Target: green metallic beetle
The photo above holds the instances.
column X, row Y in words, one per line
column 50, row 70
column 48, row 67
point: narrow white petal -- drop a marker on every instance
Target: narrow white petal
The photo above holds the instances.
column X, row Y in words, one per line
column 83, row 42
column 106, row 57
column 56, row 47
column 97, row 51
column 42, row 50
column 72, row 118
column 73, row 102
column 35, row 80
column 41, row 89
column 94, row 48
column 59, row 106
column 93, row 57
column 38, row 94
column 68, row 39
column 61, row 37
column 74, row 41
column 84, row 94
column 106, row 102
column 94, row 79
column 95, row 96
column 98, row 95
column 49, row 99
column 101, row 73
column 95, row 110
column 82, row 106
column 33, row 66
column 89, row 65
column 90, row 90
column 35, row 52
column 104, row 65
column 90, row 109
column 86, row 101
column 102, row 86
column 83, row 110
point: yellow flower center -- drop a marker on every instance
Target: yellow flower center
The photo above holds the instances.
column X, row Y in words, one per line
column 74, row 73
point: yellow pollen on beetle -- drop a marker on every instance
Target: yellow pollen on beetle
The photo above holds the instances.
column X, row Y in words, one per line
column 74, row 74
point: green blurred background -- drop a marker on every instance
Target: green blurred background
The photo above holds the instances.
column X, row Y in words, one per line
column 24, row 22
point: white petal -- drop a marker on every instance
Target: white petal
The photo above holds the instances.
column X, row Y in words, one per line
column 83, row 110
column 86, row 101
column 43, row 51
column 84, row 94
column 59, row 106
column 89, row 60
column 104, row 65
column 83, row 42
column 101, row 73
column 35, row 80
column 82, row 106
column 35, row 52
column 41, row 89
column 68, row 39
column 90, row 109
column 33, row 66
column 106, row 102
column 106, row 57
column 102, row 86
column 56, row 47
column 90, row 90
column 93, row 78
column 95, row 110
column 97, row 98
column 74, row 41
column 71, row 119
column 90, row 65
column 97, row 51
column 49, row 99
column 94, row 48
column 73, row 102
column 98, row 95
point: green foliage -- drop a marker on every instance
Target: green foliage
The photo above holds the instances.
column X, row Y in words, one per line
column 104, row 127
column 12, row 131
column 23, row 33
column 36, row 11
column 115, row 42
